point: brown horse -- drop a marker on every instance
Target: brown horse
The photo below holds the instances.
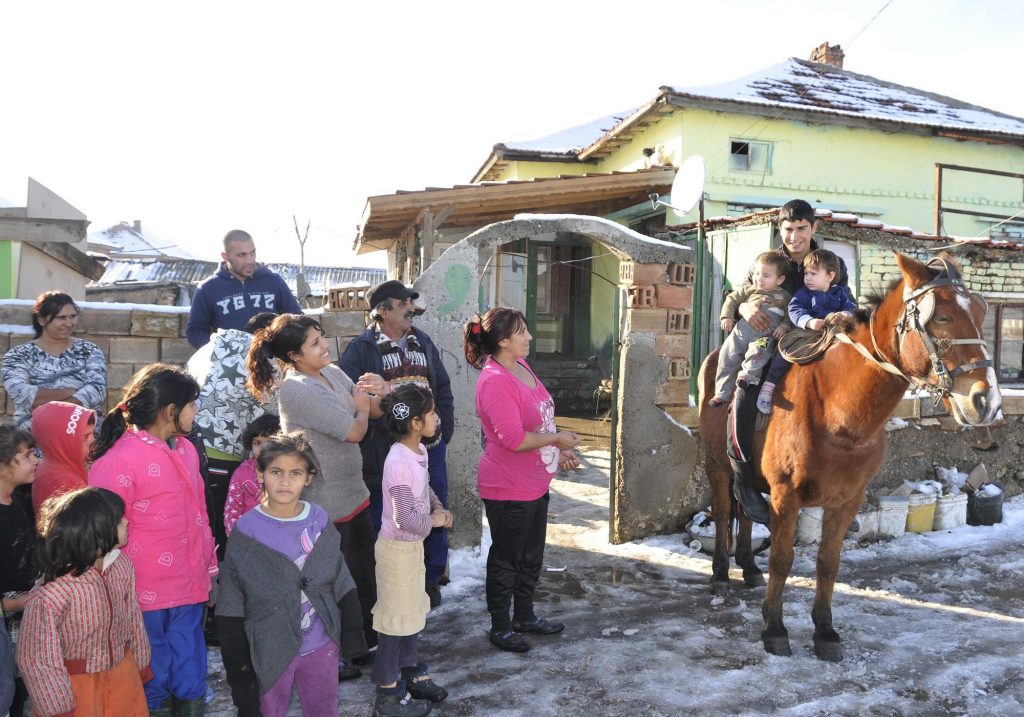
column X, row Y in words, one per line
column 825, row 440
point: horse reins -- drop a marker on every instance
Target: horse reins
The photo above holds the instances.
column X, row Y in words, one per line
column 918, row 306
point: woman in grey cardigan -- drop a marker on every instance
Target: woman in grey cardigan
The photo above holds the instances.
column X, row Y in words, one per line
column 316, row 397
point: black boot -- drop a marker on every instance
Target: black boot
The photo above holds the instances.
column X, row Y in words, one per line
column 740, row 449
column 396, row 702
column 189, row 708
column 753, row 503
column 164, row 710
column 418, row 682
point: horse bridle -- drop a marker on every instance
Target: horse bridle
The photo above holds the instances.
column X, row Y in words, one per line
column 918, row 307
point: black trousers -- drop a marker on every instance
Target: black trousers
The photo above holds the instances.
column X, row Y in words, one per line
column 357, row 542
column 518, row 532
column 218, row 479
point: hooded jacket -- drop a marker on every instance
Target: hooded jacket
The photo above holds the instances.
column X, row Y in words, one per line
column 170, row 542
column 60, row 430
column 225, row 302
column 226, row 406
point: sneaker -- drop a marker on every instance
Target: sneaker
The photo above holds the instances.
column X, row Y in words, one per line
column 538, row 625
column 418, row 683
column 348, row 672
column 764, row 398
column 508, row 641
column 396, row 702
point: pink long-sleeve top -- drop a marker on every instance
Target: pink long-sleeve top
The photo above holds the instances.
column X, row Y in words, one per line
column 169, row 538
column 508, row 410
column 243, row 494
column 79, row 624
column 408, row 498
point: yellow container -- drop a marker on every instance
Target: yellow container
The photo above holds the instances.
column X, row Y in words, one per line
column 921, row 512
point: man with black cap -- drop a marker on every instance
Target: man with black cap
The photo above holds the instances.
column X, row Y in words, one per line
column 389, row 353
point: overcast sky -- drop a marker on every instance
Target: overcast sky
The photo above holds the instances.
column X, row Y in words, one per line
column 201, row 117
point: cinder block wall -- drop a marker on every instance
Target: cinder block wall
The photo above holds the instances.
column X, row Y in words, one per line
column 131, row 337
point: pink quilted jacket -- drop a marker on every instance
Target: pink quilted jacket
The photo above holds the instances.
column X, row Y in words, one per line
column 169, row 538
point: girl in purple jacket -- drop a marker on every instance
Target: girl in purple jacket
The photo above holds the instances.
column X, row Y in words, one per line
column 142, row 455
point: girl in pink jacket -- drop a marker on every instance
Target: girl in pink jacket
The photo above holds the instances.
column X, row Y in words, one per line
column 141, row 454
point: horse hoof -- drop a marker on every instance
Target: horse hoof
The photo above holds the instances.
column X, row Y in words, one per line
column 828, row 650
column 777, row 645
column 754, row 579
column 719, row 587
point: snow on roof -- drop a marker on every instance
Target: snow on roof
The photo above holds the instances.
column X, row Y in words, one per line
column 128, row 242
column 574, row 139
column 805, row 85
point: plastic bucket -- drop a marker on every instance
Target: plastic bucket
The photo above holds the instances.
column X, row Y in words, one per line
column 921, row 512
column 892, row 515
column 984, row 509
column 950, row 512
column 808, row 525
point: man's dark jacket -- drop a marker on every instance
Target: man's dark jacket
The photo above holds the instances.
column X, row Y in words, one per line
column 362, row 356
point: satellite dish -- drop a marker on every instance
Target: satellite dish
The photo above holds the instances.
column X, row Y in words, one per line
column 687, row 187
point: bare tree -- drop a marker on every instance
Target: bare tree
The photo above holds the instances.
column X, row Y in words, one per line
column 301, row 285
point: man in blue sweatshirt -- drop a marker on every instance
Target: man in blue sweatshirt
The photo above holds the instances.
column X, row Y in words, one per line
column 239, row 290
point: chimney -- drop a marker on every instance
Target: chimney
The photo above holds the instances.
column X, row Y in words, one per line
column 828, row 55
column 137, row 223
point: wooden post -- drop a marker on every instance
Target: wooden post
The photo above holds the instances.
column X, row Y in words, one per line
column 938, row 199
column 427, row 241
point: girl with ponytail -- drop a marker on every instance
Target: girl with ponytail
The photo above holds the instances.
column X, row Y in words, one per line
column 142, row 455
column 318, row 398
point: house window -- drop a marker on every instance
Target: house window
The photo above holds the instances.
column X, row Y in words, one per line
column 746, row 155
column 1004, row 329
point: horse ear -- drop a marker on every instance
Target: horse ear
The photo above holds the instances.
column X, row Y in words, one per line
column 915, row 273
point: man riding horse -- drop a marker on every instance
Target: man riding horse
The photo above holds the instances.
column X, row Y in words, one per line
column 797, row 225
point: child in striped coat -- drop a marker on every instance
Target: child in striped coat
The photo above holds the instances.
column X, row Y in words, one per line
column 83, row 649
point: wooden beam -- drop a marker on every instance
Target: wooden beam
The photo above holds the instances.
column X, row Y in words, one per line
column 42, row 230
column 71, row 257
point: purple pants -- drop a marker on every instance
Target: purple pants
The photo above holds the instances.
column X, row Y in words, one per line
column 315, row 677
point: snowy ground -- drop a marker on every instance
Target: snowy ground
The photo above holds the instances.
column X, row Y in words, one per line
column 932, row 625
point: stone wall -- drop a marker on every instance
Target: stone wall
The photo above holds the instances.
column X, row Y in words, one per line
column 133, row 335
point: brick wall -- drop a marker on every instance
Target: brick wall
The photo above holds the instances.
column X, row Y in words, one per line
column 660, row 300
column 133, row 336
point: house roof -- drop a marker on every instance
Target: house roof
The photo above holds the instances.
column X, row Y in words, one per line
column 845, row 220
column 194, row 271
column 124, row 241
column 812, row 90
column 818, row 87
column 474, row 205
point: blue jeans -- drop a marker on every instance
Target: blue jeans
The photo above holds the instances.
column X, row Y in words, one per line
column 179, row 654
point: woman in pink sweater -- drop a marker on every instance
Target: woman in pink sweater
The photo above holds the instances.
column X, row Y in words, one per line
column 522, row 452
column 141, row 454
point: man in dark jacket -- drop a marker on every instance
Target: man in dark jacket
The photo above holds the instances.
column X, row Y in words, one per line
column 389, row 353
column 239, row 290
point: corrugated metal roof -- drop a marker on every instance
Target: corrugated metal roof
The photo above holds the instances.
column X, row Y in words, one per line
column 319, row 278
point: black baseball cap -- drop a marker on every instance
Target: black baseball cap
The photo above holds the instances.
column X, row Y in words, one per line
column 393, row 289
